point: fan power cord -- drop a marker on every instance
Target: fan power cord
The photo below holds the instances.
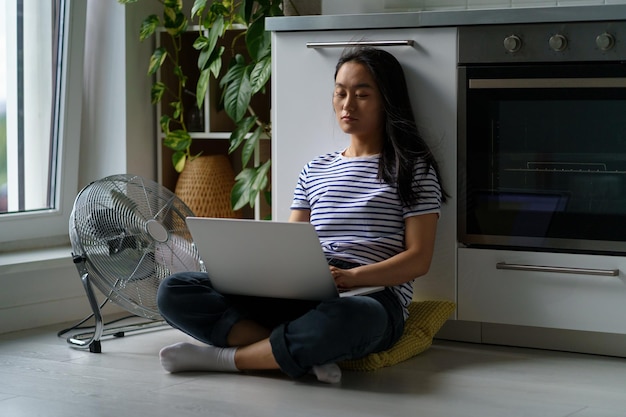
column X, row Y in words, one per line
column 78, row 325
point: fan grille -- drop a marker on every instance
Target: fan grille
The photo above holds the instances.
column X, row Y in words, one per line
column 132, row 234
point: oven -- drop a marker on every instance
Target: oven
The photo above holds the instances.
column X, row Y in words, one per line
column 542, row 137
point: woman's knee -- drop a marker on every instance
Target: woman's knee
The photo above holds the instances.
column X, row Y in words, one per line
column 354, row 318
column 172, row 290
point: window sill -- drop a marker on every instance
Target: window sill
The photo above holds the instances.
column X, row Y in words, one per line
column 33, row 260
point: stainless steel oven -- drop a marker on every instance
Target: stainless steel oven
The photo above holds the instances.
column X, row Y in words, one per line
column 542, row 136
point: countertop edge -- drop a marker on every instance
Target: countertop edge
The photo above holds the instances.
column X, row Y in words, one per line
column 447, row 18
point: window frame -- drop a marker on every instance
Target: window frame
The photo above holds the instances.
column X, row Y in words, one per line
column 45, row 228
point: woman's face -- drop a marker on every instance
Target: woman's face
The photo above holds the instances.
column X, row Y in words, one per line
column 357, row 102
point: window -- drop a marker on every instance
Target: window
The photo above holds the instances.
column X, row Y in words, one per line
column 41, row 50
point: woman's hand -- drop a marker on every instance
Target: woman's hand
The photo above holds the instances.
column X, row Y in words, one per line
column 344, row 278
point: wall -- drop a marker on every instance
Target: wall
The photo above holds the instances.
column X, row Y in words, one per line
column 118, row 130
column 118, row 121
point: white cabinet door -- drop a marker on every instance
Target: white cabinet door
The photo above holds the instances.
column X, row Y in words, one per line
column 303, row 123
column 564, row 300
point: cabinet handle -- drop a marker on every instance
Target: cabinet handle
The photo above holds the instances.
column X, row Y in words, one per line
column 558, row 269
column 345, row 44
column 478, row 83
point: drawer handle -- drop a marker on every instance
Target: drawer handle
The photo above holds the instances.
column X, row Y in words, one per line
column 558, row 269
column 345, row 44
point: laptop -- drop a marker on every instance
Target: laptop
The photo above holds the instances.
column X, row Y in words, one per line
column 266, row 259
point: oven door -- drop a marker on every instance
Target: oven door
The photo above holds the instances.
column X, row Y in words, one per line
column 542, row 157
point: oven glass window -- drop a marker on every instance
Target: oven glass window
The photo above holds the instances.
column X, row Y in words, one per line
column 546, row 163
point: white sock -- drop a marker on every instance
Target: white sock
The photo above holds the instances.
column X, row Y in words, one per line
column 182, row 357
column 329, row 373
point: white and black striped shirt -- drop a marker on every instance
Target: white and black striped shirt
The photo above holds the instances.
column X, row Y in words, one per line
column 358, row 217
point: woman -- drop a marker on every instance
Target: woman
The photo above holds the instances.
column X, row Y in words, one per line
column 375, row 206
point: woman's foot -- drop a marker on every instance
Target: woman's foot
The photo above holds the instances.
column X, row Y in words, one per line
column 182, row 357
column 329, row 373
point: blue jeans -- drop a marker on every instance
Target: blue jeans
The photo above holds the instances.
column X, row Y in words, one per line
column 303, row 333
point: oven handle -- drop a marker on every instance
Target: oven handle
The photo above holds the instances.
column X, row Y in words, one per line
column 494, row 83
column 345, row 44
column 558, row 269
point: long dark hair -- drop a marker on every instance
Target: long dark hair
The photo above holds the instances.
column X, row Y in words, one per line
column 402, row 145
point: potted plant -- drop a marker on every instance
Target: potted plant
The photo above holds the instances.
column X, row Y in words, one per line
column 241, row 79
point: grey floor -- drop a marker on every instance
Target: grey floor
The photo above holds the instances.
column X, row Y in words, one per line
column 40, row 375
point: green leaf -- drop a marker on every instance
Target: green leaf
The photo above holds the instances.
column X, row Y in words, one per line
column 177, row 106
column 174, row 20
column 216, row 63
column 248, row 184
column 200, row 42
column 148, row 27
column 176, row 5
column 208, row 55
column 260, row 74
column 242, row 192
column 156, row 60
column 177, row 140
column 202, row 86
column 165, row 123
column 216, row 31
column 157, row 91
column 258, row 40
column 182, row 78
column 240, row 132
column 198, row 7
column 236, row 65
column 212, row 66
column 178, row 160
column 217, row 9
column 247, row 9
column 260, row 179
column 238, row 92
column 250, row 145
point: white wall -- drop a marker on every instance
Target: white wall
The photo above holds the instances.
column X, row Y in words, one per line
column 118, row 131
column 118, row 118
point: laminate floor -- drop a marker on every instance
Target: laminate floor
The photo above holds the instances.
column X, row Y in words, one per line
column 40, row 375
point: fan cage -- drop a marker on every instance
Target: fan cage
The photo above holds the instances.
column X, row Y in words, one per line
column 131, row 234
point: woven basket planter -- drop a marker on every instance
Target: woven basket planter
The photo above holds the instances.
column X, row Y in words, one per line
column 205, row 185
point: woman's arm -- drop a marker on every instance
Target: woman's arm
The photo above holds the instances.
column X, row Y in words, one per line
column 413, row 262
column 300, row 215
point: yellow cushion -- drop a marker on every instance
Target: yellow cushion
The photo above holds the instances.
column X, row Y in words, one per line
column 424, row 321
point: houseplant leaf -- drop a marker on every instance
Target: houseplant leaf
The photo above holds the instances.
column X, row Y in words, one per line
column 177, row 140
column 148, row 27
column 240, row 132
column 206, row 45
column 237, row 91
column 178, row 160
column 249, row 183
column 214, row 67
column 258, row 41
column 157, row 91
column 174, row 20
column 260, row 74
column 156, row 60
column 250, row 145
column 198, row 7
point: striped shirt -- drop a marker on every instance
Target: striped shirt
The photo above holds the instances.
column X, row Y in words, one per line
column 358, row 217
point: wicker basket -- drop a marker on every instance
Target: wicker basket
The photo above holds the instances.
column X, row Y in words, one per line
column 205, row 185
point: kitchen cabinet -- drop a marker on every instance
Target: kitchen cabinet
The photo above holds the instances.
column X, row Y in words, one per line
column 585, row 292
column 304, row 126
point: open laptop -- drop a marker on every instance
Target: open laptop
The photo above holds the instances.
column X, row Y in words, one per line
column 265, row 259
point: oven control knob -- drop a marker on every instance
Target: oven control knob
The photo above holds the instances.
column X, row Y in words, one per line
column 558, row 42
column 605, row 41
column 512, row 43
